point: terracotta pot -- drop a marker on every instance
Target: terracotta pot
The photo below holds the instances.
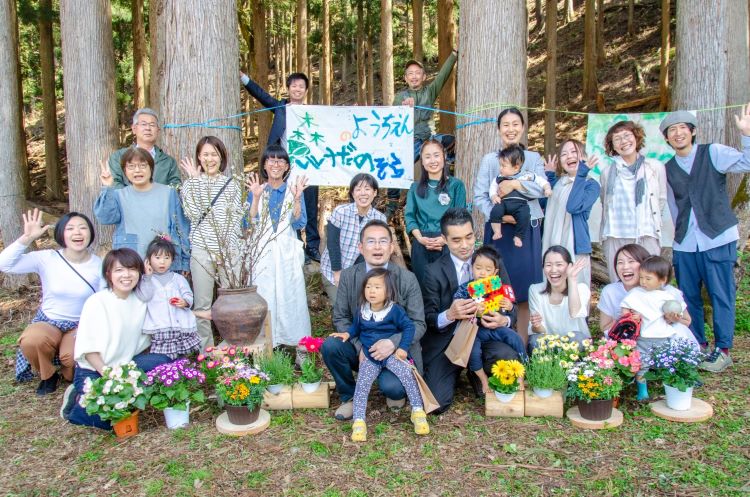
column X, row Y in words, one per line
column 595, row 410
column 241, row 415
column 126, row 428
column 239, row 314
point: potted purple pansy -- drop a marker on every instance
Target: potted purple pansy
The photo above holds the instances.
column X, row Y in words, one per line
column 174, row 386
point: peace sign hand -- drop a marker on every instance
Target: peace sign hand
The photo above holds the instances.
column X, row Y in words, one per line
column 743, row 121
column 33, row 227
column 254, row 186
column 300, row 183
column 188, row 167
column 105, row 175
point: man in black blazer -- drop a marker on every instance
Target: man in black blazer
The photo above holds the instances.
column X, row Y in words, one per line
column 442, row 312
column 342, row 358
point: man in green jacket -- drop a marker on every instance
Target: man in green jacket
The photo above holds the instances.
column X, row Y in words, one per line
column 423, row 96
column 146, row 131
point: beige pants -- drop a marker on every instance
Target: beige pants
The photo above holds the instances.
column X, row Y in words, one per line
column 203, row 272
column 610, row 246
column 40, row 342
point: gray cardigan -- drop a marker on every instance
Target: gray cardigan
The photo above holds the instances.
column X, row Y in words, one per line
column 409, row 297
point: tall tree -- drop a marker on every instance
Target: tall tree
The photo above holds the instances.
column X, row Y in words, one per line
column 589, row 52
column 716, row 33
column 550, row 95
column 601, row 53
column 538, row 15
column 302, row 36
column 370, row 57
column 139, row 55
column 570, row 11
column 211, row 56
column 325, row 66
column 260, row 43
column 89, row 88
column 361, row 55
column 446, row 42
column 386, row 51
column 11, row 144
column 488, row 33
column 664, row 57
column 631, row 17
column 24, row 169
column 53, row 179
column 417, row 6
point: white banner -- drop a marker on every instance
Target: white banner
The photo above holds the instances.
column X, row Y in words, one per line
column 331, row 144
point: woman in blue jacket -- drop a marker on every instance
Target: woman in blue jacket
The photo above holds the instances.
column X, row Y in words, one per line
column 567, row 216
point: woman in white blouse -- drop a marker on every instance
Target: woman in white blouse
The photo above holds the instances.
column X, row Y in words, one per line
column 69, row 276
column 560, row 304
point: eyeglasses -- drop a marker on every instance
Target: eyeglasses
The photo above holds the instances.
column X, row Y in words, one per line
column 137, row 166
column 148, row 125
column 381, row 242
column 275, row 162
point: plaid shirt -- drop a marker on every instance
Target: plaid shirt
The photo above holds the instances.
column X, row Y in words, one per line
column 346, row 218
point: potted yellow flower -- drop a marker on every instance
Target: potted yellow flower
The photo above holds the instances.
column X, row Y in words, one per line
column 506, row 379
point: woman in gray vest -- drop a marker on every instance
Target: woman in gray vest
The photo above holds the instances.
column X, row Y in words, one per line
column 706, row 234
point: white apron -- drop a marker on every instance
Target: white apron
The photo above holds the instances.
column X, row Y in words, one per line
column 280, row 280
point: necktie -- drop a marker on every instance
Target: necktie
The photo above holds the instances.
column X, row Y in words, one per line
column 465, row 273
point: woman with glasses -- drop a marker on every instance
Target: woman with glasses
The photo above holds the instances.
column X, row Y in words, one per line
column 143, row 209
column 277, row 211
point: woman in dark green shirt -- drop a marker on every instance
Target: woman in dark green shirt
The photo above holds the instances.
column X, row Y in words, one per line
column 427, row 201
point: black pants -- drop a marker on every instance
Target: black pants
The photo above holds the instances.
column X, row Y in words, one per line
column 421, row 257
column 312, row 237
column 516, row 207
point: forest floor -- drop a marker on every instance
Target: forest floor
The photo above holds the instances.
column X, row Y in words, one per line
column 307, row 452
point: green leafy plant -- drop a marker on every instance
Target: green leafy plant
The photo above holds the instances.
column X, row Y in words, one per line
column 279, row 367
column 545, row 371
column 175, row 384
column 311, row 373
column 116, row 394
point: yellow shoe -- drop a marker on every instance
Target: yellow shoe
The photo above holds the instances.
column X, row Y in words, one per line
column 419, row 418
column 359, row 431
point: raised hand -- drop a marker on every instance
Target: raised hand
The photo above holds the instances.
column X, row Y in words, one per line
column 593, row 161
column 190, row 168
column 33, row 227
column 743, row 121
column 105, row 175
column 576, row 267
column 147, row 269
column 551, row 163
column 299, row 185
column 254, row 186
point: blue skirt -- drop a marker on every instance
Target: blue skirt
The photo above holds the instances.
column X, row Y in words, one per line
column 524, row 264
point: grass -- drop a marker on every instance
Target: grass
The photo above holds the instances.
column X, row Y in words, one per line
column 306, row 453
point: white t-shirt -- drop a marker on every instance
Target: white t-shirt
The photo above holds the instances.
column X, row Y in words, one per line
column 611, row 298
column 556, row 318
column 648, row 304
column 111, row 326
column 63, row 292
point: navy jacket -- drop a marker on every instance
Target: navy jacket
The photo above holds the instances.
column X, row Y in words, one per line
column 279, row 111
column 582, row 197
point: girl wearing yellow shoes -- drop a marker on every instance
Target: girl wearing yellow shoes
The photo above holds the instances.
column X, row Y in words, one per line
column 381, row 318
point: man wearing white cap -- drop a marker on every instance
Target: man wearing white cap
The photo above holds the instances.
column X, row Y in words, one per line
column 706, row 234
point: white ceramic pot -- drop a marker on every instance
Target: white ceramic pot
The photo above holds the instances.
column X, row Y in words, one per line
column 274, row 389
column 310, row 387
column 543, row 393
column 177, row 418
column 679, row 401
column 505, row 397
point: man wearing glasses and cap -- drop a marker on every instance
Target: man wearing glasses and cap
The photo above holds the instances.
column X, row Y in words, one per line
column 706, row 234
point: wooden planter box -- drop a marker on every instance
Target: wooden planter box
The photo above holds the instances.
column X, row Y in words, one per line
column 538, row 407
column 278, row 402
column 296, row 398
column 512, row 409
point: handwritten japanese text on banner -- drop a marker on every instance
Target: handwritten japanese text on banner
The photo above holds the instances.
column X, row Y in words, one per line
column 332, row 144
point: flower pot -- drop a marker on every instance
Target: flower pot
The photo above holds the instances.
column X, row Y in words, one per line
column 242, row 415
column 543, row 393
column 176, row 418
column 126, row 428
column 679, row 401
column 275, row 389
column 595, row 410
column 310, row 387
column 239, row 314
column 505, row 397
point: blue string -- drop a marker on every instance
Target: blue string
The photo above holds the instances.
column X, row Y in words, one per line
column 208, row 123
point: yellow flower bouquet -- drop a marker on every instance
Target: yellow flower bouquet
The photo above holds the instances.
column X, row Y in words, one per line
column 506, row 376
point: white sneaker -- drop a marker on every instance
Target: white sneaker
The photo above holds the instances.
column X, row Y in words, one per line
column 395, row 405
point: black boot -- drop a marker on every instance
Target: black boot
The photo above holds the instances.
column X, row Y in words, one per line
column 49, row 385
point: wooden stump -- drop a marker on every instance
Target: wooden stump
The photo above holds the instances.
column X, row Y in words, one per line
column 613, row 421
column 226, row 427
column 538, row 407
column 278, row 402
column 319, row 399
column 512, row 409
column 699, row 411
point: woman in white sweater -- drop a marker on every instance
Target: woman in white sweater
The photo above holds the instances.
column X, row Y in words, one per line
column 109, row 333
column 69, row 276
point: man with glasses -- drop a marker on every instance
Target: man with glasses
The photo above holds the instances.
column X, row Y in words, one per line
column 146, row 131
column 343, row 358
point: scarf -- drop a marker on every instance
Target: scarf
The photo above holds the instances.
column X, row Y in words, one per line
column 640, row 182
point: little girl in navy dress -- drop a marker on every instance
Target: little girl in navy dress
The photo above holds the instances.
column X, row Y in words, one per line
column 169, row 321
column 380, row 317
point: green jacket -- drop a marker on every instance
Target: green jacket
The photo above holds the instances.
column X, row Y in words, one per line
column 425, row 97
column 165, row 169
